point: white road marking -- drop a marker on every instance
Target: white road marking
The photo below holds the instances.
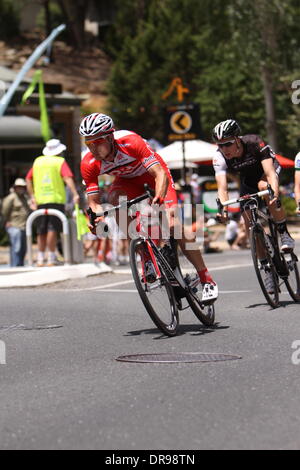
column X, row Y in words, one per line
column 131, row 291
column 120, row 283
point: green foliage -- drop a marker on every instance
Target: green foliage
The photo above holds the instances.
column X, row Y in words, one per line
column 56, row 15
column 218, row 49
column 289, row 205
column 9, row 19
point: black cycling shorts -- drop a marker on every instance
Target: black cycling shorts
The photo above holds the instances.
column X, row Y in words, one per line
column 49, row 223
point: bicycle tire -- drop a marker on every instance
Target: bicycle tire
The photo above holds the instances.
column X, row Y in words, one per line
column 204, row 313
column 293, row 287
column 257, row 236
column 146, row 291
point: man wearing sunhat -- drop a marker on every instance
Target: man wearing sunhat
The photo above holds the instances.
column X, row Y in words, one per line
column 15, row 211
column 46, row 186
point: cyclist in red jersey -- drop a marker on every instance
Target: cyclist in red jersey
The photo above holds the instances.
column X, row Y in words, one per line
column 131, row 160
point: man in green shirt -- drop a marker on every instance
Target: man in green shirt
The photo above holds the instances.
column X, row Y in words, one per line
column 15, row 211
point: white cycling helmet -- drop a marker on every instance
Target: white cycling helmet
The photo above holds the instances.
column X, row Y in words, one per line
column 226, row 129
column 96, row 123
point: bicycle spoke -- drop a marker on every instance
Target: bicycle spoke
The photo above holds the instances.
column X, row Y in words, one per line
column 265, row 270
column 157, row 294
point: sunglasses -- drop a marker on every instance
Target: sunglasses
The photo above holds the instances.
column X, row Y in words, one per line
column 96, row 141
column 227, row 144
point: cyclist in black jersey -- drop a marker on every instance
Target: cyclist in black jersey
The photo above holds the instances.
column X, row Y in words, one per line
column 255, row 162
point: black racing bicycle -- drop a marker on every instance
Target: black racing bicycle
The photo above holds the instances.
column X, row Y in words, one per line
column 166, row 290
column 279, row 267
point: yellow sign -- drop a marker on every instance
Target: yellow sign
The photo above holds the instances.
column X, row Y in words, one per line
column 181, row 122
column 176, row 84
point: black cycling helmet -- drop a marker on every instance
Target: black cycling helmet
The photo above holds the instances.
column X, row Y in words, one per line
column 226, row 129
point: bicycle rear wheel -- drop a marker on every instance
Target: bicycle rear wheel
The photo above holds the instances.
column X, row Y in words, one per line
column 293, row 281
column 158, row 296
column 264, row 271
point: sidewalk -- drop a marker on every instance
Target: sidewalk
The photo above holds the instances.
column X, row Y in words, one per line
column 32, row 276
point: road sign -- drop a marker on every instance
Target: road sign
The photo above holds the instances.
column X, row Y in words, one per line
column 177, row 85
column 182, row 122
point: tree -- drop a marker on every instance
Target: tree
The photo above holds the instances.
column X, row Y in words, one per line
column 236, row 58
column 75, row 15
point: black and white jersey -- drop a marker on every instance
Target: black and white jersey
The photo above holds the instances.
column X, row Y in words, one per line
column 249, row 164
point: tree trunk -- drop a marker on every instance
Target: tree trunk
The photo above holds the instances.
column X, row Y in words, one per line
column 75, row 13
column 271, row 126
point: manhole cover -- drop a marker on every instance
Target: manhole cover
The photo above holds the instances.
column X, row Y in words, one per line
column 24, row 327
column 178, row 357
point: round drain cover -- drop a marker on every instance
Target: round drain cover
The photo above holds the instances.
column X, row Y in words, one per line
column 178, row 357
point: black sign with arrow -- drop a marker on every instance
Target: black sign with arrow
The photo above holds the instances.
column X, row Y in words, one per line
column 182, row 122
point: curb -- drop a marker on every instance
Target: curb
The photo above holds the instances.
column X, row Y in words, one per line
column 31, row 277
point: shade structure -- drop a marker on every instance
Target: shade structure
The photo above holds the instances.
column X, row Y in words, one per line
column 285, row 162
column 200, row 152
column 177, row 164
column 196, row 151
column 20, row 130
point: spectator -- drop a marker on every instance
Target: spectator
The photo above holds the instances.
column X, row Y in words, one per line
column 210, row 236
column 15, row 211
column 46, row 185
column 196, row 193
column 235, row 233
column 231, row 233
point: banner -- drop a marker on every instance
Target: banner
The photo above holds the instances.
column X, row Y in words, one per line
column 38, row 79
column 81, row 223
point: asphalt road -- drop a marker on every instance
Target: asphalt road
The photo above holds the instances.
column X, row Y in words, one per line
column 62, row 388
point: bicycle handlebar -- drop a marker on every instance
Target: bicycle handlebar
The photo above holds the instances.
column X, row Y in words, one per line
column 266, row 192
column 93, row 215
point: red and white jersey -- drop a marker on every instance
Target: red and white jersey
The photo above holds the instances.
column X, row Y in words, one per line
column 134, row 157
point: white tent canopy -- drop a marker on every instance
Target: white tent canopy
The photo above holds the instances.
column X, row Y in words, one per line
column 196, row 151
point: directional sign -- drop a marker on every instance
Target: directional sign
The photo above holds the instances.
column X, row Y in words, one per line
column 182, row 122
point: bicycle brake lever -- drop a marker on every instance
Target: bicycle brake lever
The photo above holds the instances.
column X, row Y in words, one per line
column 271, row 192
column 220, row 206
column 92, row 216
column 149, row 191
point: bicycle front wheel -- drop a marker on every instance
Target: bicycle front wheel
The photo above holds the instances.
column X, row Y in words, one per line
column 266, row 273
column 293, row 281
column 157, row 295
column 204, row 313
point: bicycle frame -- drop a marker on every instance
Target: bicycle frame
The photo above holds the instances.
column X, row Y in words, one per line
column 255, row 223
column 175, row 274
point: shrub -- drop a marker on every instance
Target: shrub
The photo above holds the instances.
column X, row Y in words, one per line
column 289, row 205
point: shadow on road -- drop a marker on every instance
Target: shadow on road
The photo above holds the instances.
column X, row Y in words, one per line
column 195, row 330
column 284, row 304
